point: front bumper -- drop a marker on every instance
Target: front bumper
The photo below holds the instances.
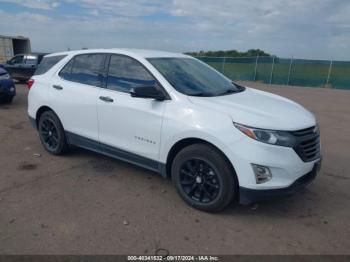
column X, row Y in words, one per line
column 284, row 163
column 249, row 196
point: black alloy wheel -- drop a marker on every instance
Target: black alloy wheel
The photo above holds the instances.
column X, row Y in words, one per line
column 204, row 178
column 52, row 134
column 49, row 133
column 199, row 180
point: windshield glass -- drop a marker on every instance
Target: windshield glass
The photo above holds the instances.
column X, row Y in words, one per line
column 192, row 77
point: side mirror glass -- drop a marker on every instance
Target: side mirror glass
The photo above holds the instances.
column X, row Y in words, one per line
column 151, row 92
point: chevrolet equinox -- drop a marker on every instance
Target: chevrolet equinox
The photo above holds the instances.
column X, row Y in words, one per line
column 171, row 113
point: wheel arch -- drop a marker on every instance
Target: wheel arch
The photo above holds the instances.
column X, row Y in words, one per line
column 40, row 111
column 179, row 145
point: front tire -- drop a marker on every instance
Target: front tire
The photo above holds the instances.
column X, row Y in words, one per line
column 52, row 134
column 204, row 178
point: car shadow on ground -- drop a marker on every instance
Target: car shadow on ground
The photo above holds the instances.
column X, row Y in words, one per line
column 302, row 204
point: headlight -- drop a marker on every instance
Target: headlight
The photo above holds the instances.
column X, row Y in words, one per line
column 280, row 138
column 4, row 76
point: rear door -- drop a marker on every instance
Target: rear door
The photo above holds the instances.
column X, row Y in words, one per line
column 129, row 127
column 74, row 92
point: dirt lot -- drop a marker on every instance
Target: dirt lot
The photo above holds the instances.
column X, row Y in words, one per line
column 84, row 203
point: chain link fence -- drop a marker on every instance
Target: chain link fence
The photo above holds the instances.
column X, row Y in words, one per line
column 284, row 71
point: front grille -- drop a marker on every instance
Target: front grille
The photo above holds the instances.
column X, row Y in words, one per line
column 307, row 143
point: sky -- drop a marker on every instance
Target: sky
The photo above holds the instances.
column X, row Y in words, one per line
column 311, row 29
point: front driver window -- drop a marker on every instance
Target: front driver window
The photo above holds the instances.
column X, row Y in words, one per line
column 126, row 73
column 17, row 60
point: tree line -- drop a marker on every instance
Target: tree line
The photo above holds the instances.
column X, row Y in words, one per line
column 230, row 53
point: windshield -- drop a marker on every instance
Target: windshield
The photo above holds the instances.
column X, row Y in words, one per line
column 192, row 77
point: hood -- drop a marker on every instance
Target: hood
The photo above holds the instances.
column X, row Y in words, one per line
column 259, row 109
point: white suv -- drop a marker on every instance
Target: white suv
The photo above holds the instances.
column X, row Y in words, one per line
column 175, row 115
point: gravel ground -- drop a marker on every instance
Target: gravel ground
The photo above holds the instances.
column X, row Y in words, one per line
column 84, row 203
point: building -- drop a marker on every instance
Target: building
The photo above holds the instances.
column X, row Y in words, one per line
column 13, row 45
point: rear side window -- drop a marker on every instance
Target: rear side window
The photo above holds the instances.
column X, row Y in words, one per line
column 47, row 63
column 125, row 73
column 86, row 69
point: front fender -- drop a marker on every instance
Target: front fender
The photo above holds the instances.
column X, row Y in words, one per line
column 189, row 121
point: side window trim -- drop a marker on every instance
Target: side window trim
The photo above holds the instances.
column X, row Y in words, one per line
column 143, row 66
column 106, row 69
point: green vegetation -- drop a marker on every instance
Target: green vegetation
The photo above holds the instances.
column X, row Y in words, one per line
column 257, row 65
column 311, row 73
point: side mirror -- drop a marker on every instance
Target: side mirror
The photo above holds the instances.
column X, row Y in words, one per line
column 147, row 92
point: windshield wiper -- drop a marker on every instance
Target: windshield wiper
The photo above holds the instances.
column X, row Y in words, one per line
column 229, row 91
column 232, row 91
column 239, row 87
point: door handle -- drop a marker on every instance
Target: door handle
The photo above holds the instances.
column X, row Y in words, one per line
column 106, row 99
column 58, row 87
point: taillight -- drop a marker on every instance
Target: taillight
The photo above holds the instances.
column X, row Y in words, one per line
column 30, row 82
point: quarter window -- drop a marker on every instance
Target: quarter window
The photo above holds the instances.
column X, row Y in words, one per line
column 126, row 73
column 47, row 63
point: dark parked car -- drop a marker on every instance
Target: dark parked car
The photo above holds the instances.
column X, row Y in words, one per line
column 22, row 67
column 7, row 87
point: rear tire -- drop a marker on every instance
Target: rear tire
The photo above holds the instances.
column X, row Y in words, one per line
column 52, row 134
column 204, row 178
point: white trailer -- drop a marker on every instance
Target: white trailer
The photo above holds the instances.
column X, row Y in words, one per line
column 13, row 45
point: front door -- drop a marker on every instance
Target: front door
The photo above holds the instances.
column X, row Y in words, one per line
column 129, row 127
column 13, row 66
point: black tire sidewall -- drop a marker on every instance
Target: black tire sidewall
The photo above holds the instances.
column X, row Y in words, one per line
column 220, row 165
column 9, row 100
column 6, row 99
column 62, row 144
